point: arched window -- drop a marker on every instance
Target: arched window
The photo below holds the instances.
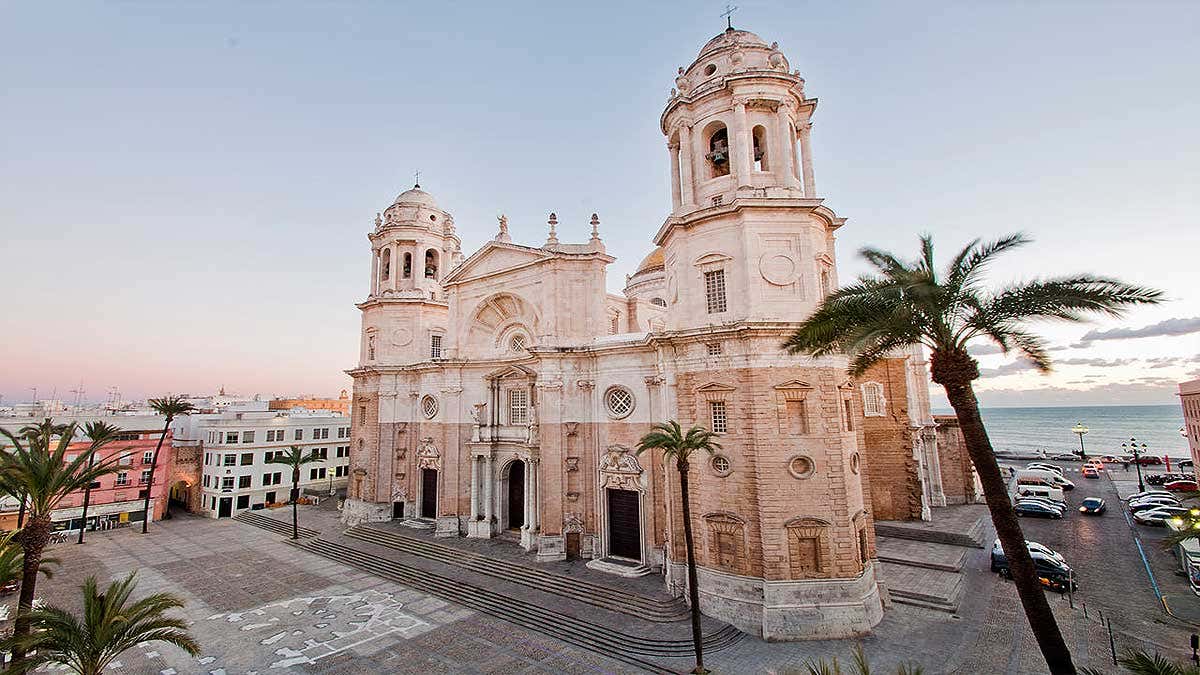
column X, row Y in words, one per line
column 407, row 272
column 385, row 266
column 658, row 302
column 431, row 264
column 614, row 324
column 873, row 403
column 718, row 150
column 760, row 148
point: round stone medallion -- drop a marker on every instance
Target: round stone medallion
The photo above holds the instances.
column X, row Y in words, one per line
column 401, row 337
column 778, row 268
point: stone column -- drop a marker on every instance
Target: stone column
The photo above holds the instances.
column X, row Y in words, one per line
column 537, row 485
column 474, row 487
column 782, row 160
column 810, row 186
column 675, row 187
column 374, row 271
column 741, row 143
column 687, row 166
column 488, row 507
column 528, row 492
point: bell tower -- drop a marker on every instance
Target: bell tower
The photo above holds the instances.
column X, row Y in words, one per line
column 747, row 238
column 404, row 317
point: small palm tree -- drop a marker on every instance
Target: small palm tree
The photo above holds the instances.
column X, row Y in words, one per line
column 109, row 625
column 670, row 439
column 46, row 429
column 1139, row 662
column 912, row 303
column 861, row 666
column 100, row 433
column 169, row 407
column 12, row 560
column 36, row 466
column 295, row 458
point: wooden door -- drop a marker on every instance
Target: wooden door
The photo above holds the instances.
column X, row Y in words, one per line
column 624, row 525
column 573, row 545
column 226, row 507
column 429, row 493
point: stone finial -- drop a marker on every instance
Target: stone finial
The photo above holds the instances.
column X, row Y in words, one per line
column 595, row 227
column 552, row 240
column 503, row 234
column 378, row 220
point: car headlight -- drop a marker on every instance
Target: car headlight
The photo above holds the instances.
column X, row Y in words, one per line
column 1177, row 521
column 1083, row 509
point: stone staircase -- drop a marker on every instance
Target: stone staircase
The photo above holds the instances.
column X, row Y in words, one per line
column 626, row 647
column 970, row 532
column 605, row 597
column 274, row 525
column 923, row 587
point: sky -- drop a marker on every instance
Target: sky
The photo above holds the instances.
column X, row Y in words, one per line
column 186, row 188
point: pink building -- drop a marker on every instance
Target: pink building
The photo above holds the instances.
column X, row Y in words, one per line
column 1189, row 398
column 118, row 497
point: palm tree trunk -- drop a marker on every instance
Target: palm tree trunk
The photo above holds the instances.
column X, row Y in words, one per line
column 955, row 378
column 295, row 503
column 21, row 512
column 87, row 498
column 150, row 484
column 693, row 586
column 33, row 539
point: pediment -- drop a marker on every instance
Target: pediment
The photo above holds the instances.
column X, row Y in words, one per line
column 512, row 372
column 494, row 258
column 794, row 384
column 714, row 387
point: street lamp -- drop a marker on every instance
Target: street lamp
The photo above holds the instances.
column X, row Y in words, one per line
column 1080, row 430
column 1132, row 447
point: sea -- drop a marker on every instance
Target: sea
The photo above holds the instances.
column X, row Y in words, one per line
column 1032, row 429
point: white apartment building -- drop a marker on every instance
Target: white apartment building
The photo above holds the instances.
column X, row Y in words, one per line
column 236, row 446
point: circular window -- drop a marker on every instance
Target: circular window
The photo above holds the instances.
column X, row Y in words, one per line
column 801, row 466
column 429, row 406
column 619, row 401
column 855, row 463
column 710, row 69
column 517, row 343
column 720, row 465
column 432, row 217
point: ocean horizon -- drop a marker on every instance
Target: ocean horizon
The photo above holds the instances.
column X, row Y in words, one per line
column 1049, row 428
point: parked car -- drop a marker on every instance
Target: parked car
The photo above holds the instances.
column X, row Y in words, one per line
column 1048, row 467
column 1151, row 460
column 1031, row 508
column 1182, row 485
column 1148, row 493
column 1090, row 472
column 1159, row 515
column 1052, row 572
column 1048, row 503
column 1185, row 464
column 1093, row 505
column 1110, row 459
column 1064, row 457
column 1164, row 478
column 1034, row 547
column 1151, row 503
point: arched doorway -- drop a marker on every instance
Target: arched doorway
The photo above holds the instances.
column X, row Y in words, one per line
column 429, row 485
column 177, row 497
column 516, row 494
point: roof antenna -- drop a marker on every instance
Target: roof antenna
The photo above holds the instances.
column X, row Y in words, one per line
column 417, row 180
column 728, row 14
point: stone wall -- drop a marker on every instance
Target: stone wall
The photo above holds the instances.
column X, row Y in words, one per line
column 892, row 470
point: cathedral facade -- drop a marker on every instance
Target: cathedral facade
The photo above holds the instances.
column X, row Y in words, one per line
column 502, row 395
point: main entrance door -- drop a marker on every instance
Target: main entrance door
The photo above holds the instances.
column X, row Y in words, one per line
column 429, row 493
column 226, row 507
column 624, row 525
column 516, row 494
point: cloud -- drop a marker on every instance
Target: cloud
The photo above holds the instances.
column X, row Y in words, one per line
column 1135, row 393
column 984, row 349
column 1103, row 363
column 1007, row 369
column 1168, row 327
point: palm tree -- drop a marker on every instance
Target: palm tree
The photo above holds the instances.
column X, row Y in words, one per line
column 862, row 666
column 169, row 407
column 36, row 466
column 109, row 625
column 910, row 303
column 12, row 558
column 48, row 429
column 670, row 439
column 101, row 433
column 295, row 458
column 1139, row 662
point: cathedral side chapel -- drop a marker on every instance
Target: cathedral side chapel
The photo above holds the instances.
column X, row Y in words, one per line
column 502, row 395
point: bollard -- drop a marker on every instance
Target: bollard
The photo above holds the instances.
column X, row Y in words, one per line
column 1112, row 644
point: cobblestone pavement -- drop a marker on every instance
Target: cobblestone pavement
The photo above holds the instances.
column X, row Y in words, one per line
column 260, row 605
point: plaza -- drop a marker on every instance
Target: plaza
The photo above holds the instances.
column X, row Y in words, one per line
column 380, row 598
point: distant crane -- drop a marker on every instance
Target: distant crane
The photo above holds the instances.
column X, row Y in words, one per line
column 78, row 397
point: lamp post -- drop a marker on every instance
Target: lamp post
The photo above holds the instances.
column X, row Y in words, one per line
column 1080, row 430
column 1132, row 447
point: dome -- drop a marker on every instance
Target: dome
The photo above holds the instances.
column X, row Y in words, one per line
column 652, row 261
column 417, row 196
column 729, row 37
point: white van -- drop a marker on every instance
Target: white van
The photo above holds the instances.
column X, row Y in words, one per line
column 1045, row 476
column 1040, row 490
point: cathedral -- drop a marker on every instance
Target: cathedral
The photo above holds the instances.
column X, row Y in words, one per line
column 502, row 394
